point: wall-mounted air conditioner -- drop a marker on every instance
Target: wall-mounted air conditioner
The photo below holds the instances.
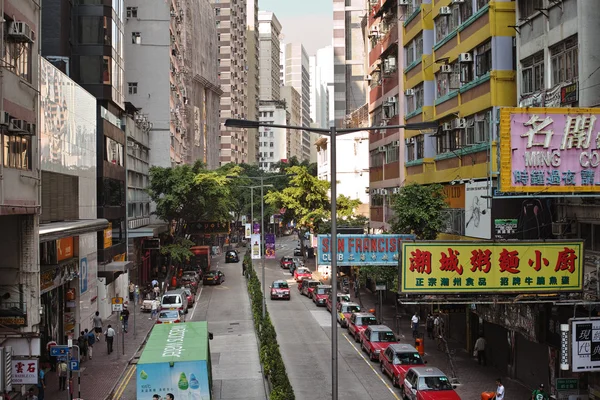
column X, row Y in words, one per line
column 446, row 69
column 17, row 125
column 409, row 92
column 381, row 149
column 391, row 100
column 458, row 1
column 459, row 123
column 446, row 126
column 409, row 140
column 396, row 190
column 404, row 2
column 465, row 58
column 445, row 11
column 20, row 31
column 395, row 143
column 368, row 78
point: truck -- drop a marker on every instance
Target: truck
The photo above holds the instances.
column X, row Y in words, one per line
column 202, row 257
column 176, row 360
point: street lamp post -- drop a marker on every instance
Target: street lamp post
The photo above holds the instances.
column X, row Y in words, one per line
column 333, row 133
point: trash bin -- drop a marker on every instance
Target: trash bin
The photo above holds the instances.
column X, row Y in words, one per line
column 488, row 395
column 420, row 345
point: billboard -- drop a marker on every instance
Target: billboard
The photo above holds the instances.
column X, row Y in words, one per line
column 270, row 245
column 247, row 231
column 550, row 150
column 478, row 218
column 585, row 342
column 477, row 267
column 362, row 249
column 255, row 246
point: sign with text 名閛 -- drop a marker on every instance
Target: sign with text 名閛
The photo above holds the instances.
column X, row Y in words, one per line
column 362, row 249
column 475, row 267
column 550, row 149
column 585, row 342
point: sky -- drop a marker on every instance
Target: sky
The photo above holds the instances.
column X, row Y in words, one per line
column 309, row 22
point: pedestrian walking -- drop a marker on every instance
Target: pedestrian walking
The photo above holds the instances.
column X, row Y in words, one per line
column 31, row 395
column 499, row 390
column 62, row 375
column 97, row 325
column 41, row 385
column 154, row 310
column 156, row 291
column 430, row 324
column 539, row 393
column 131, row 291
column 83, row 346
column 414, row 322
column 154, row 282
column 479, row 350
column 110, row 336
column 125, row 318
column 91, row 337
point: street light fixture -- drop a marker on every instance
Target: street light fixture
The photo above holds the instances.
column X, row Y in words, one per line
column 333, row 133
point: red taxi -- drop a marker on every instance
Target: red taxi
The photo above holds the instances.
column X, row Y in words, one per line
column 375, row 339
column 308, row 287
column 286, row 262
column 302, row 273
column 397, row 359
column 426, row 383
column 340, row 298
column 345, row 311
column 358, row 322
column 280, row 290
column 320, row 294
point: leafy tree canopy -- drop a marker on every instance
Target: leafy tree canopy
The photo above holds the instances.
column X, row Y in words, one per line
column 179, row 250
column 418, row 210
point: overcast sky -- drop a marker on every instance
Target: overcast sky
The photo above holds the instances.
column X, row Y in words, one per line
column 309, row 22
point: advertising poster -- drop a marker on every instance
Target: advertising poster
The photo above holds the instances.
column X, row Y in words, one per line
column 256, row 228
column 478, row 217
column 185, row 380
column 247, row 231
column 255, row 246
column 270, row 245
column 484, row 267
column 25, row 372
column 356, row 250
column 585, row 338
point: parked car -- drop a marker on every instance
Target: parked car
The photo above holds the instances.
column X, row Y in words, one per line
column 298, row 251
column 340, row 298
column 397, row 359
column 375, row 339
column 428, row 383
column 345, row 311
column 174, row 300
column 286, row 262
column 232, row 256
column 280, row 290
column 169, row 317
column 191, row 298
column 358, row 322
column 320, row 294
column 189, row 279
column 302, row 273
column 147, row 305
column 308, row 287
column 214, row 278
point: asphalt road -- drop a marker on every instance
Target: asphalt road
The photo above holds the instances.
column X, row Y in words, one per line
column 235, row 362
column 304, row 336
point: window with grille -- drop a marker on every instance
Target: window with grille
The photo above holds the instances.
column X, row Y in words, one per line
column 527, row 8
column 420, row 139
column 410, row 151
column 564, row 62
column 132, row 87
column 483, row 59
column 532, row 73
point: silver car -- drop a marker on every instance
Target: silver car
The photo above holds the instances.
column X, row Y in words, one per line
column 170, row 317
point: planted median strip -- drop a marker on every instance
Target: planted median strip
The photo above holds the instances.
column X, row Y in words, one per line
column 270, row 356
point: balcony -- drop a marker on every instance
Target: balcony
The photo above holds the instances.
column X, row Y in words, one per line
column 391, row 38
column 375, row 53
column 375, row 94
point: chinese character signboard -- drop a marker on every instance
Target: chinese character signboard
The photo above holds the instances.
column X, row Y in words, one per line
column 474, row 267
column 25, row 372
column 270, row 245
column 585, row 349
column 362, row 249
column 550, row 150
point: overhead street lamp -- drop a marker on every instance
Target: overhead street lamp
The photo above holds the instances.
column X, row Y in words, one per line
column 262, row 224
column 333, row 133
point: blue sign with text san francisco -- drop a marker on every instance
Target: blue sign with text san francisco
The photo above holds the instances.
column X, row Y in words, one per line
column 360, row 250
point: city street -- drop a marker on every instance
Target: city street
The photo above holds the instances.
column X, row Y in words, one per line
column 236, row 371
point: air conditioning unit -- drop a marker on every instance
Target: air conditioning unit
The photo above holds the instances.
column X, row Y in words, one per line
column 4, row 118
column 381, row 149
column 459, row 123
column 20, row 31
column 458, row 1
column 395, row 143
column 404, row 2
column 409, row 92
column 392, row 99
column 396, row 190
column 17, row 125
column 446, row 126
column 409, row 140
column 445, row 11
column 465, row 58
column 374, row 32
column 446, row 69
column 368, row 78
column 31, row 129
column 383, row 191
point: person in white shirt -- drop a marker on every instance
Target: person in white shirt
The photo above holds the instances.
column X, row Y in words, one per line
column 480, row 350
column 415, row 325
column 155, row 304
column 499, row 390
column 110, row 337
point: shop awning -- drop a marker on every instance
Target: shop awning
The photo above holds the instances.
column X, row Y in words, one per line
column 115, row 266
column 147, row 231
column 57, row 230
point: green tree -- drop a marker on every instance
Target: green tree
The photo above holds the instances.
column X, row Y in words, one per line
column 418, row 209
column 179, row 250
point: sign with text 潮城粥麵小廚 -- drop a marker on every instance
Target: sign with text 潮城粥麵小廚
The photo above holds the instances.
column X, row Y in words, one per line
column 550, row 150
column 511, row 267
column 355, row 249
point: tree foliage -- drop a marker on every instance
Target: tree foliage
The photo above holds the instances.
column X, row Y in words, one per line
column 178, row 251
column 379, row 273
column 418, row 210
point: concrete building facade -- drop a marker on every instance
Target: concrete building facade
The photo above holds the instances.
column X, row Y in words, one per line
column 233, row 73
column 269, row 32
column 297, row 75
column 273, row 141
column 253, row 46
column 293, row 104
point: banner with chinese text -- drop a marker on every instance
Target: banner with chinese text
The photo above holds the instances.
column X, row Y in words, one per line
column 549, row 150
column 355, row 249
column 270, row 245
column 454, row 267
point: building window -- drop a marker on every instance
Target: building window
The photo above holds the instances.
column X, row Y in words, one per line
column 17, row 58
column 391, row 154
column 532, row 73
column 414, row 50
column 17, row 151
column 132, row 12
column 136, row 37
column 466, row 10
column 93, row 30
column 420, row 146
column 564, row 62
column 483, row 60
column 113, row 151
column 410, row 150
column 466, row 72
column 481, row 4
column 217, row 11
column 527, row 8
column 415, row 101
column 442, row 81
column 133, row 86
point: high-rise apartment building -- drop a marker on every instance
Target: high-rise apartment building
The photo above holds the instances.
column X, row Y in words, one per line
column 252, row 44
column 297, row 75
column 273, row 141
column 348, row 51
column 293, row 104
column 269, row 31
column 171, row 76
column 233, row 72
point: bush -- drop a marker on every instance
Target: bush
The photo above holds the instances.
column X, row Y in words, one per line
column 270, row 356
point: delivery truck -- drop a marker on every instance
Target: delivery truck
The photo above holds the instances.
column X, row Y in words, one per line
column 176, row 360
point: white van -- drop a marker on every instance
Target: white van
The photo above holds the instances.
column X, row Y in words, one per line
column 175, row 300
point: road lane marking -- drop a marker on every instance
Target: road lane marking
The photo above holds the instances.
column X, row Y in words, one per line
column 370, row 366
column 124, row 383
column 196, row 303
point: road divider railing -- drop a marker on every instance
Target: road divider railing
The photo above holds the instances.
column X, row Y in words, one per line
column 270, row 356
